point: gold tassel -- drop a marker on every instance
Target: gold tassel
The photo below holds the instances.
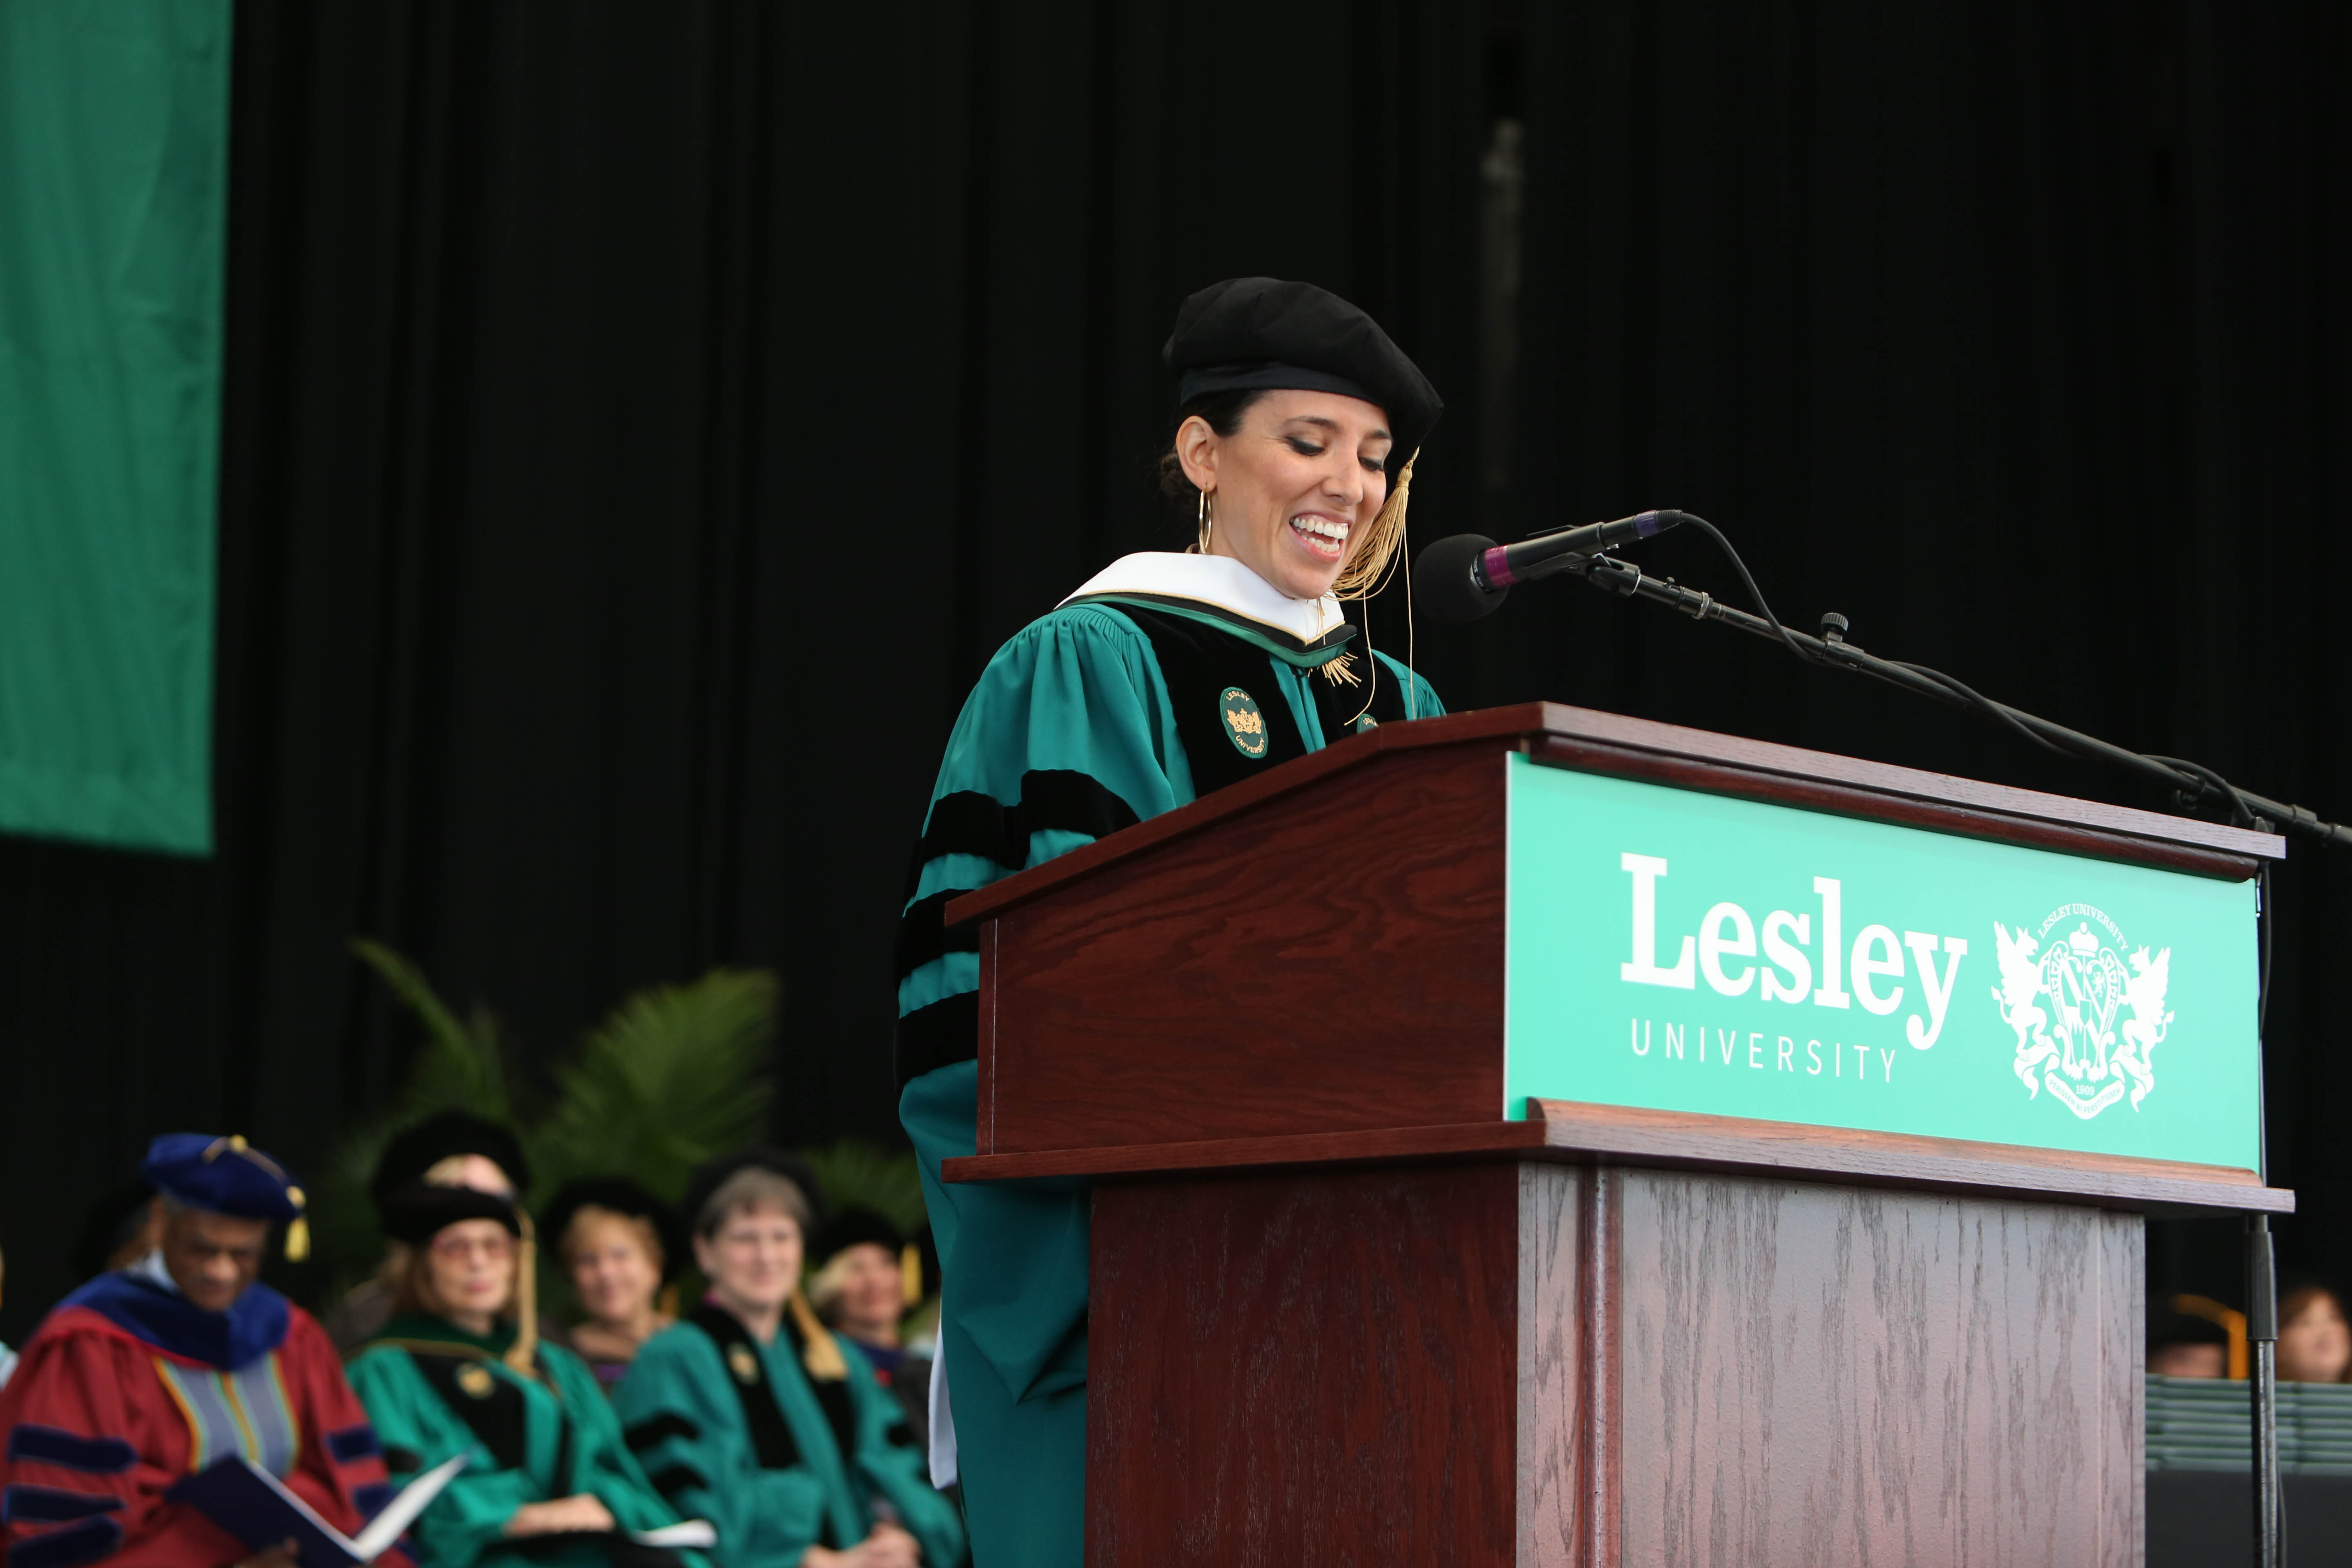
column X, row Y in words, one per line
column 1341, row 671
column 822, row 1355
column 297, row 1229
column 1362, row 579
column 524, row 1352
column 910, row 1275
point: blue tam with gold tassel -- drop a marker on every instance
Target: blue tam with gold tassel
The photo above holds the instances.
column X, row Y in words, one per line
column 227, row 1175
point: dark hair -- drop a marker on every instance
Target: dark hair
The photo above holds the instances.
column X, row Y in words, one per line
column 2301, row 1298
column 1223, row 411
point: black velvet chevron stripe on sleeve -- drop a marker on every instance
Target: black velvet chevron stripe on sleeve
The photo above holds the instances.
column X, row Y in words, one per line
column 68, row 1547
column 971, row 822
column 658, row 1429
column 941, row 1034
column 673, row 1481
column 924, row 935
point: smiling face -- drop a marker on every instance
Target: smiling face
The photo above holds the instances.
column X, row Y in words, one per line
column 868, row 1292
column 1294, row 491
column 2315, row 1345
column 471, row 1269
column 753, row 1258
column 614, row 1271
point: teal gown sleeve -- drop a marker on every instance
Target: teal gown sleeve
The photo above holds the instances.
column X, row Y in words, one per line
column 601, row 1461
column 897, row 1472
column 465, row 1525
column 682, row 1418
column 1070, row 736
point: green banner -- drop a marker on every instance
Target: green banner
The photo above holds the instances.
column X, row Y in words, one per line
column 113, row 176
column 1688, row 952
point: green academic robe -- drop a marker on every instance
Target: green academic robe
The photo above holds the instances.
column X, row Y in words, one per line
column 434, row 1391
column 1117, row 707
column 739, row 1433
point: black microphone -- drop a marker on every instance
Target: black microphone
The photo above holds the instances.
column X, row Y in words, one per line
column 1464, row 577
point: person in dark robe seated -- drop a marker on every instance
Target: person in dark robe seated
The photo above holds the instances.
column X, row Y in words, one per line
column 751, row 1413
column 868, row 1277
column 447, row 1149
column 459, row 1368
column 616, row 1243
column 1162, row 678
column 2185, row 1345
column 151, row 1373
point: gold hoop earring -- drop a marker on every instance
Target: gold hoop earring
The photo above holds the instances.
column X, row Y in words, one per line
column 1208, row 518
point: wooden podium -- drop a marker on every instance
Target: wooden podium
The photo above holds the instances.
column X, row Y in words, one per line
column 1347, row 1308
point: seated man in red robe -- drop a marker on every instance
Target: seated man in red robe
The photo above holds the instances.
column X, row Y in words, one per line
column 153, row 1372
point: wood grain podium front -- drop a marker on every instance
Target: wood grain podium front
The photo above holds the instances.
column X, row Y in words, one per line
column 1345, row 1308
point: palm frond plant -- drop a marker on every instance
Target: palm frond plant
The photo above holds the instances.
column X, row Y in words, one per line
column 854, row 1174
column 461, row 1065
column 673, row 1076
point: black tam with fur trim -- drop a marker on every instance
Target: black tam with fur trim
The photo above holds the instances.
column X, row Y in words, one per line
column 853, row 1227
column 1249, row 334
column 416, row 1150
column 621, row 1196
column 420, row 1211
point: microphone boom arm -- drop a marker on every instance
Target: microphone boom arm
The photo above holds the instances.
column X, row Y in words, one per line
column 2194, row 783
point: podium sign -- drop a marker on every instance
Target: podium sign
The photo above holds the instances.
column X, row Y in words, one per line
column 1546, row 1139
column 1680, row 950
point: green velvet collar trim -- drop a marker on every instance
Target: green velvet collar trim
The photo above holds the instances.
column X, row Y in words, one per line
column 438, row 1336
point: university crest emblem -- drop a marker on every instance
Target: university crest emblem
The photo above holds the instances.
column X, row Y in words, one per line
column 2063, row 1001
column 1245, row 724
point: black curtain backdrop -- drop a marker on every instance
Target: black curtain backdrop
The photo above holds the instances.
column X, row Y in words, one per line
column 644, row 420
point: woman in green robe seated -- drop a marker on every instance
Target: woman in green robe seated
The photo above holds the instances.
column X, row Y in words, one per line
column 460, row 1368
column 749, row 1412
column 1163, row 678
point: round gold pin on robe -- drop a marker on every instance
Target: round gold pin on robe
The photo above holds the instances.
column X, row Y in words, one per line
column 1244, row 722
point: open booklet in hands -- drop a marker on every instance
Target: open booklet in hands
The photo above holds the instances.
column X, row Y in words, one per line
column 256, row 1508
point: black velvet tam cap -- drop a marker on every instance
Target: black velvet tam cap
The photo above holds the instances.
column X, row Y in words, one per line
column 623, row 1196
column 418, row 1212
column 855, row 1227
column 1250, row 334
column 418, row 1149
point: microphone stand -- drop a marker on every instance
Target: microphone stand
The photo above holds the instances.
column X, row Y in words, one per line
column 2191, row 784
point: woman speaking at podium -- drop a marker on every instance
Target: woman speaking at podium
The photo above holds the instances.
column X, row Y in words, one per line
column 1165, row 677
